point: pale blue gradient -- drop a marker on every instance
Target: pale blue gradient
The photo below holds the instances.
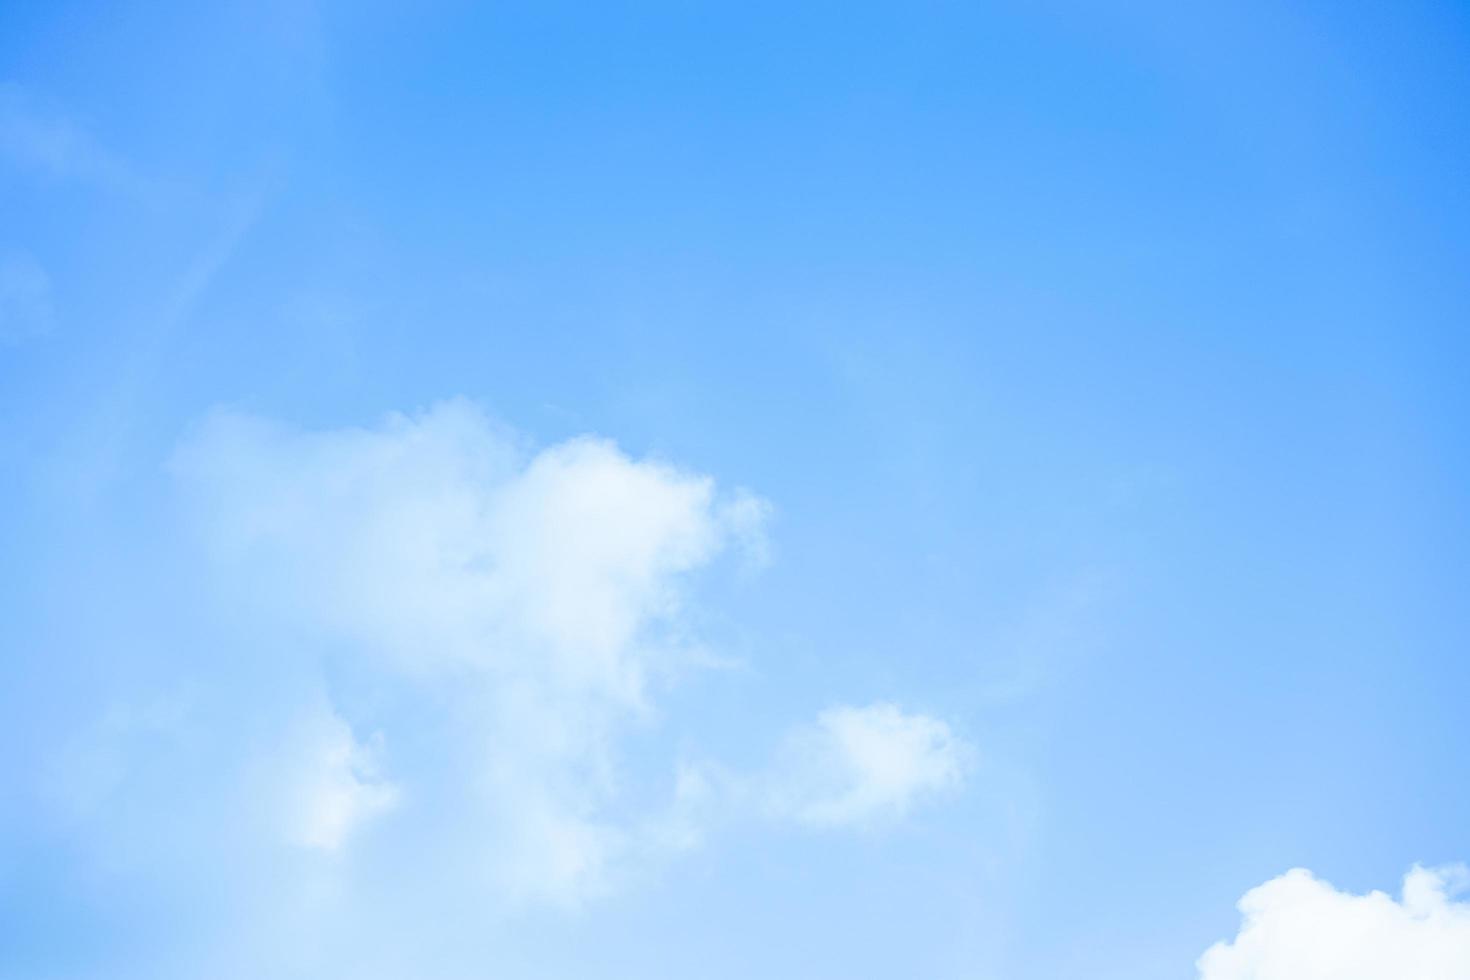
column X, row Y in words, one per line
column 1106, row 371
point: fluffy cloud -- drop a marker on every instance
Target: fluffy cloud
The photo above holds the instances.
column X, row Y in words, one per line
column 434, row 543
column 1297, row 927
column 860, row 765
column 539, row 594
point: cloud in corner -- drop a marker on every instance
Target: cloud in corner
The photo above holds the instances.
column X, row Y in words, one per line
column 1298, row 927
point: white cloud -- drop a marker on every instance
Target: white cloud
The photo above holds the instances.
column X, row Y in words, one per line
column 529, row 607
column 432, row 541
column 1297, row 927
column 861, row 765
column 852, row 767
column 540, row 593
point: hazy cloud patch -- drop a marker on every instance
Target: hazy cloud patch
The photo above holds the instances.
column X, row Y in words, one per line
column 864, row 765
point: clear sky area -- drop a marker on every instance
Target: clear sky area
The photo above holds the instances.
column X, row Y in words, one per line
column 672, row 490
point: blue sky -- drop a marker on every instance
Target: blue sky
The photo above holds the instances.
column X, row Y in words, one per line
column 677, row 489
